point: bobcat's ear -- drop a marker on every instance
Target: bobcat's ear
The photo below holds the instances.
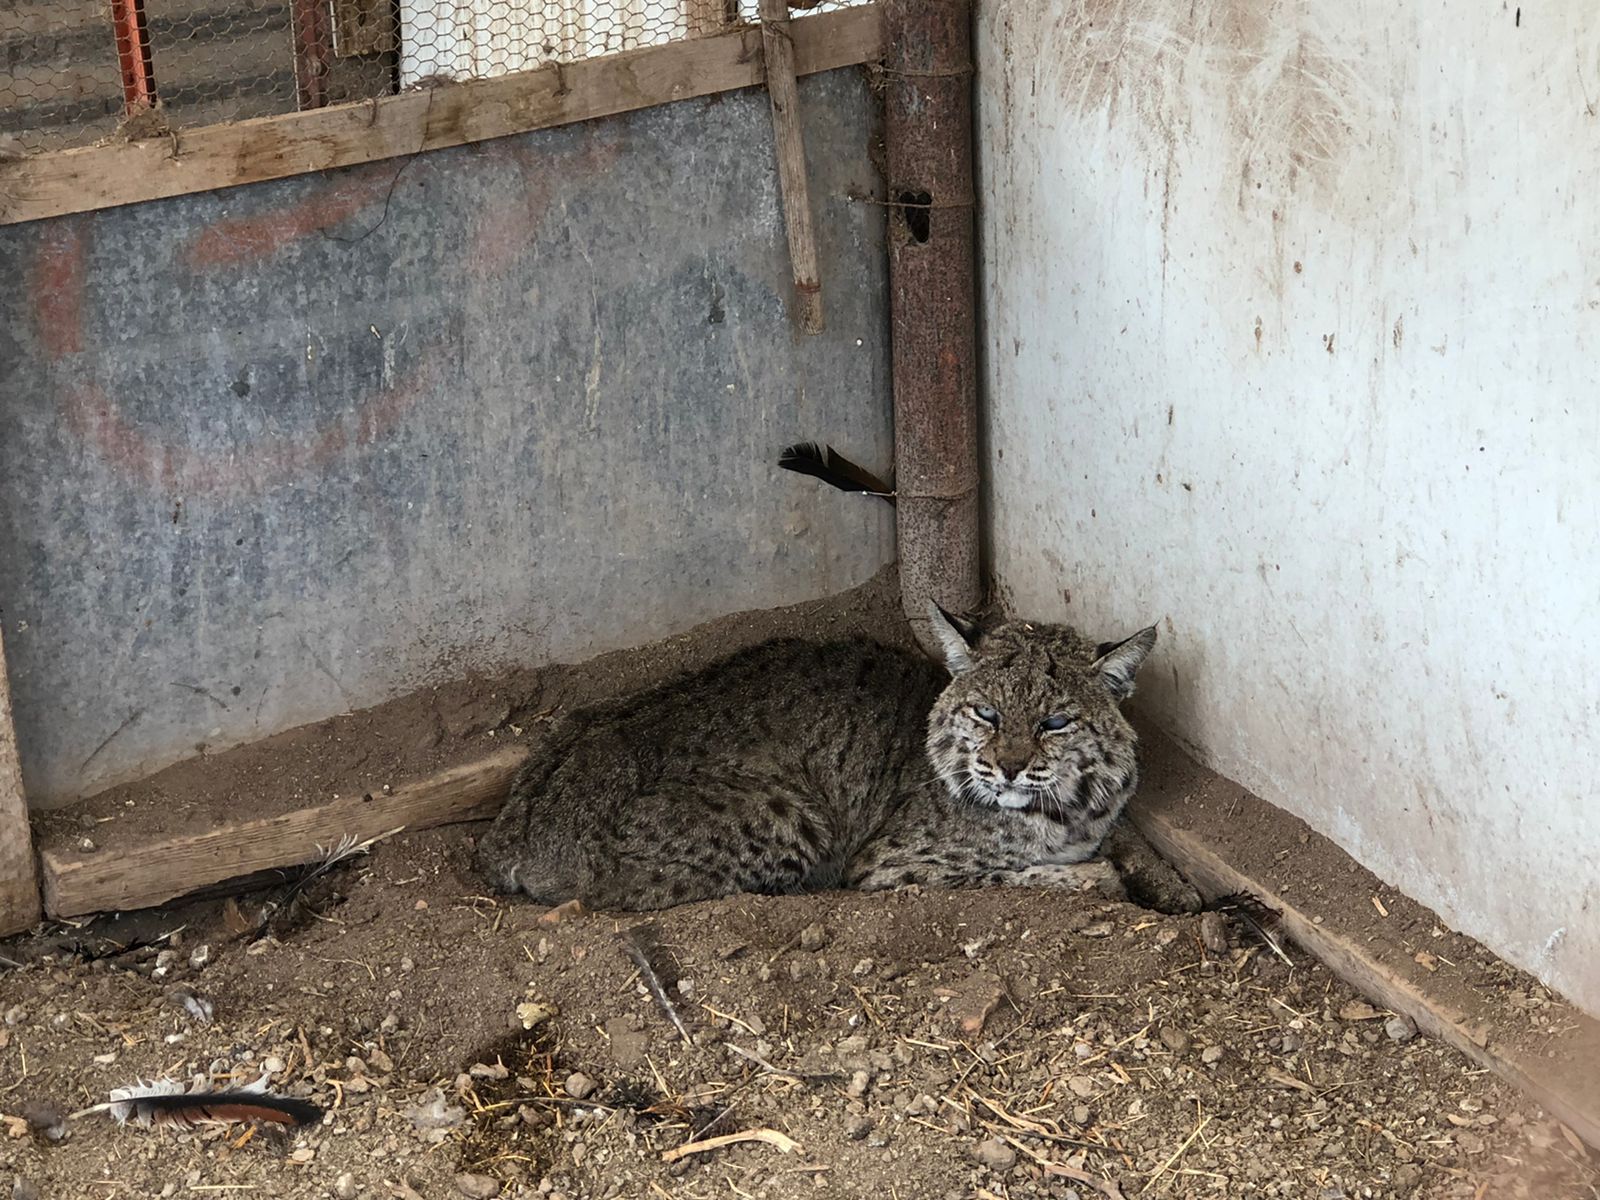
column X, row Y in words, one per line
column 957, row 637
column 1118, row 662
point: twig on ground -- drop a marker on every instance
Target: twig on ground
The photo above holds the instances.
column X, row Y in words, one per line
column 782, row 1142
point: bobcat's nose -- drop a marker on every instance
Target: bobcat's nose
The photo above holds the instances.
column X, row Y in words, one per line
column 1011, row 765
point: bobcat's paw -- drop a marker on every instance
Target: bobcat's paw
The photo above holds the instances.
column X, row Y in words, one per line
column 1102, row 878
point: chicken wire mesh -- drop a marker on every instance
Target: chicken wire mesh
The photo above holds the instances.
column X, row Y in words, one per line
column 73, row 72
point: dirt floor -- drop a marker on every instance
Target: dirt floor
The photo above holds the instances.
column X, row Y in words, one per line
column 910, row 1046
column 1002, row 1043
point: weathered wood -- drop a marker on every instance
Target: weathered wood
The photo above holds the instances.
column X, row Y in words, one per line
column 777, row 37
column 219, row 156
column 1164, row 813
column 19, row 886
column 124, row 876
column 933, row 297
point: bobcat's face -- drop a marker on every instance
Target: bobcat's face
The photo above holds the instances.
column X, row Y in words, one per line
column 1031, row 718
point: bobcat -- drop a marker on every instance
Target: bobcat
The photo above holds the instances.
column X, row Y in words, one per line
column 796, row 766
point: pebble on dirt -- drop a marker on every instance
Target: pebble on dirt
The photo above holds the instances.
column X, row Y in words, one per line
column 477, row 1187
column 995, row 1154
column 1400, row 1029
column 579, row 1086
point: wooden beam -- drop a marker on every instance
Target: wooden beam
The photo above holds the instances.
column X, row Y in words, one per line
column 19, row 885
column 119, row 876
column 218, row 156
column 777, row 39
column 1187, row 813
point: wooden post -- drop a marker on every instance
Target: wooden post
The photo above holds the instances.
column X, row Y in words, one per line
column 785, row 95
column 932, row 303
column 19, row 885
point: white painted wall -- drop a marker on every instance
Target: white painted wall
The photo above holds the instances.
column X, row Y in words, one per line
column 1292, row 316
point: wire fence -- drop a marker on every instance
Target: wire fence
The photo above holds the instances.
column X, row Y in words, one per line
column 74, row 72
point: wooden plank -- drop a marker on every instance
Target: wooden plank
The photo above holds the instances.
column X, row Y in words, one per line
column 19, row 885
column 219, row 156
column 139, row 876
column 777, row 37
column 1171, row 811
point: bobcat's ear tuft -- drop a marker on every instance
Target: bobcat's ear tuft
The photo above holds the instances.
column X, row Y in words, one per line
column 956, row 638
column 1118, row 662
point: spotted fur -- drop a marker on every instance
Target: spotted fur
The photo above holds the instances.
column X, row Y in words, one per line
column 795, row 766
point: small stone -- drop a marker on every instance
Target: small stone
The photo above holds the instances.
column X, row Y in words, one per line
column 1080, row 1115
column 1098, row 929
column 1214, row 932
column 859, row 1083
column 273, row 1065
column 1358, row 1010
column 1400, row 1029
column 421, row 906
column 344, row 1187
column 569, row 911
column 995, row 1154
column 857, row 1127
column 200, row 955
column 434, row 1114
column 303, row 1155
column 1212, row 1054
column 408, row 963
column 813, row 937
column 21, row 1189
column 532, row 1013
column 579, row 1086
column 1081, row 1086
column 495, row 1071
column 1174, row 1039
column 477, row 1187
column 380, row 1062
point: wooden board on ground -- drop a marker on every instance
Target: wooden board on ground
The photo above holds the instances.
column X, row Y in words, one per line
column 218, row 156
column 19, row 887
column 1395, row 951
column 124, row 875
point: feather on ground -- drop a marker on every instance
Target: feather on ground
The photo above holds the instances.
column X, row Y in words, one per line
column 169, row 1102
column 640, row 945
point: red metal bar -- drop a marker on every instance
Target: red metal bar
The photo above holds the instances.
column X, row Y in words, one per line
column 133, row 54
column 313, row 51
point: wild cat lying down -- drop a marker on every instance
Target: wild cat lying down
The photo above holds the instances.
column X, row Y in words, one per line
column 796, row 766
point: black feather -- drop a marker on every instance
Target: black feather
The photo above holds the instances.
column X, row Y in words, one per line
column 168, row 1102
column 234, row 1104
column 1259, row 917
column 825, row 463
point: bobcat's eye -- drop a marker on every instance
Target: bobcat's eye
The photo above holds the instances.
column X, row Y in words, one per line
column 1054, row 724
column 984, row 713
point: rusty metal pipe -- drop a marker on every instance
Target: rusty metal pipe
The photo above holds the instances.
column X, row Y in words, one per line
column 933, row 293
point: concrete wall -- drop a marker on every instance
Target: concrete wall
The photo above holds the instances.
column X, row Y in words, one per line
column 1292, row 314
column 281, row 452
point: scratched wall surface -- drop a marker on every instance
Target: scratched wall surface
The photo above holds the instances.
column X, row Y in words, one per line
column 285, row 451
column 1291, row 316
